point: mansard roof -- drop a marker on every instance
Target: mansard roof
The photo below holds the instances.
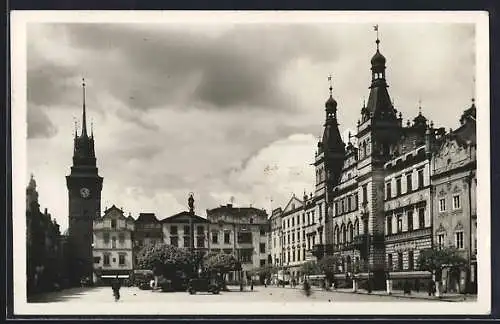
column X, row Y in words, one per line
column 466, row 132
column 147, row 218
column 239, row 210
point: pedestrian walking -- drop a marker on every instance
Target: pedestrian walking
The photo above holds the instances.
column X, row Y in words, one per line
column 307, row 288
column 251, row 284
column 407, row 287
column 430, row 288
column 115, row 286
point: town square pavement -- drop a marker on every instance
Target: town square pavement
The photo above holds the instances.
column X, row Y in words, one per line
column 259, row 294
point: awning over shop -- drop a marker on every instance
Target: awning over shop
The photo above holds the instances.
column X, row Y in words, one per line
column 410, row 275
column 119, row 276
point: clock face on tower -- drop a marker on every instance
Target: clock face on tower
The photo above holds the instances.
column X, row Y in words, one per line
column 85, row 192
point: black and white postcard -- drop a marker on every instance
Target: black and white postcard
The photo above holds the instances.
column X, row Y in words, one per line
column 250, row 162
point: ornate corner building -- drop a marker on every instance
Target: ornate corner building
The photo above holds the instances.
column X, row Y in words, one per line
column 383, row 195
column 401, row 188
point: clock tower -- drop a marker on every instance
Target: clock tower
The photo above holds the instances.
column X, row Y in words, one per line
column 84, row 197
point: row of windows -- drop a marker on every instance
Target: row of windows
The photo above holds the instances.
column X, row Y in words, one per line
column 227, row 237
column 121, row 240
column 106, row 258
column 399, row 262
column 187, row 229
column 459, row 240
column 455, row 203
column 346, row 204
column 200, row 241
column 409, row 221
column 409, row 184
column 307, row 218
column 346, row 234
column 293, row 256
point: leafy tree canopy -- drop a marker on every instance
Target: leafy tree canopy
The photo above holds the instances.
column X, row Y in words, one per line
column 265, row 271
column 164, row 258
column 435, row 259
column 310, row 268
column 328, row 264
column 221, row 262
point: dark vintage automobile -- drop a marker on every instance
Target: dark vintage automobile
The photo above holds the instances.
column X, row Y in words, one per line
column 210, row 285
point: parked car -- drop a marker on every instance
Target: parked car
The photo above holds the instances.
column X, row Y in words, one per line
column 166, row 285
column 144, row 285
column 210, row 285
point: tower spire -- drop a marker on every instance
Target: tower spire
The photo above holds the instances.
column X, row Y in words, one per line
column 84, row 125
column 76, row 126
column 375, row 28
column 331, row 84
column 92, row 128
column 473, row 99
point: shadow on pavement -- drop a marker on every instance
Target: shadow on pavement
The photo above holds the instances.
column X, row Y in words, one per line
column 58, row 296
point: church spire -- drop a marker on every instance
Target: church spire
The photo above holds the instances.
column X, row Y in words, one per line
column 84, row 117
column 331, row 104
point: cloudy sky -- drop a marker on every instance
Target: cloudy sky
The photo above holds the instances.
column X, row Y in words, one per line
column 221, row 110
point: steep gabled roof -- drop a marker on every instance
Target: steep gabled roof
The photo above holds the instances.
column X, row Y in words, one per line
column 294, row 199
column 184, row 217
column 112, row 209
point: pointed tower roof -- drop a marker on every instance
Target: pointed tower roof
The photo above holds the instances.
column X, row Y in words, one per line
column 84, row 115
column 32, row 183
column 84, row 153
column 332, row 140
column 379, row 105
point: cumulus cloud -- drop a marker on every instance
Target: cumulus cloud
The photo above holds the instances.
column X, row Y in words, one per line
column 223, row 111
column 39, row 123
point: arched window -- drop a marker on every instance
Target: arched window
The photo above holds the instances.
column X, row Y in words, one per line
column 356, row 227
column 351, row 231
column 337, row 235
column 364, row 148
column 344, row 234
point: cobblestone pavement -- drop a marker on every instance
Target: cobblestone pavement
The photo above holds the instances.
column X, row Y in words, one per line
column 259, row 294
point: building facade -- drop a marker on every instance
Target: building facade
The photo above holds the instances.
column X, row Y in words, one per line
column 45, row 263
column 147, row 230
column 242, row 231
column 181, row 229
column 407, row 201
column 380, row 201
column 454, row 182
column 84, row 201
column 275, row 234
column 293, row 239
column 112, row 245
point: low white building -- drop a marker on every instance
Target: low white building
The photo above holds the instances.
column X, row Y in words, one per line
column 112, row 244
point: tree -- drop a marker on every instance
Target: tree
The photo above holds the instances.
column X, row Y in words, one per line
column 167, row 260
column 310, row 268
column 221, row 262
column 434, row 260
column 328, row 265
column 265, row 272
